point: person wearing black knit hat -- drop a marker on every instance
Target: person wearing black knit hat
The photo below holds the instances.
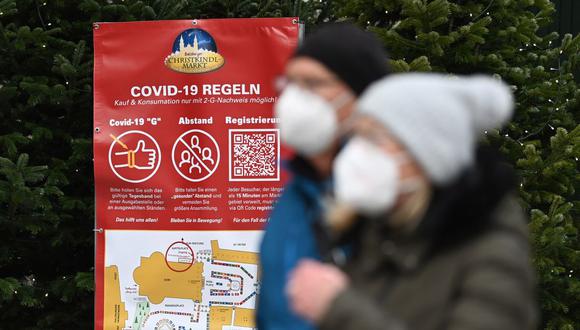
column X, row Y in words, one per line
column 327, row 72
column 322, row 81
column 355, row 56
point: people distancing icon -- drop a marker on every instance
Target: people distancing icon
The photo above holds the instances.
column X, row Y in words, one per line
column 195, row 155
column 190, row 156
column 134, row 156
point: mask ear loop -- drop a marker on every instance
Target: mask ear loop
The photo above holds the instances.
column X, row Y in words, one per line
column 410, row 185
column 341, row 100
column 347, row 126
column 406, row 185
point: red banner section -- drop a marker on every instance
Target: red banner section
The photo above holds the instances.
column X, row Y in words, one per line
column 187, row 166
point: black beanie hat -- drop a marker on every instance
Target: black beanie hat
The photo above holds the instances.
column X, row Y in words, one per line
column 354, row 55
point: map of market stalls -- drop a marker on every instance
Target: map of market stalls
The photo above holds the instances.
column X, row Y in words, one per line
column 164, row 280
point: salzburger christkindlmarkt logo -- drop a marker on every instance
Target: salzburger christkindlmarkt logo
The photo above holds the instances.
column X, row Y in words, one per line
column 194, row 51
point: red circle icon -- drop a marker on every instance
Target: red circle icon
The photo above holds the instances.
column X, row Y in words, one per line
column 195, row 155
column 179, row 256
column 134, row 156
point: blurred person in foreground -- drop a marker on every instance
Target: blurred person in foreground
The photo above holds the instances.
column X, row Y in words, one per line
column 321, row 83
column 438, row 238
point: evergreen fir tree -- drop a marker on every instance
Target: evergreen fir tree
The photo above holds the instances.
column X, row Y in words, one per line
column 46, row 174
column 46, row 185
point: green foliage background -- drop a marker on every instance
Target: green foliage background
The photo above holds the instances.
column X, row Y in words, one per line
column 46, row 182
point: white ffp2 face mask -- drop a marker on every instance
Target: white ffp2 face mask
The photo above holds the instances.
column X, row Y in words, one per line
column 308, row 123
column 367, row 179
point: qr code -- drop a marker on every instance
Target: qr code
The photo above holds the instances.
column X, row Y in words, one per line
column 254, row 155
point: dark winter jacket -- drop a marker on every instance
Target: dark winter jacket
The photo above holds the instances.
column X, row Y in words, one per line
column 288, row 238
column 466, row 267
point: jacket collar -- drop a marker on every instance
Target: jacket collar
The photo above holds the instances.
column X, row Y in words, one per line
column 464, row 208
column 303, row 167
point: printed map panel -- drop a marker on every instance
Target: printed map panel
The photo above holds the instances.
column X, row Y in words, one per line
column 167, row 280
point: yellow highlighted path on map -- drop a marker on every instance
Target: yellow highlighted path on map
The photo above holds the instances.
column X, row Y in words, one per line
column 157, row 281
column 115, row 313
column 219, row 316
column 244, row 317
column 242, row 257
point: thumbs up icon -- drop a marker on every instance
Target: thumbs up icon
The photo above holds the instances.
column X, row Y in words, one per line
column 140, row 158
